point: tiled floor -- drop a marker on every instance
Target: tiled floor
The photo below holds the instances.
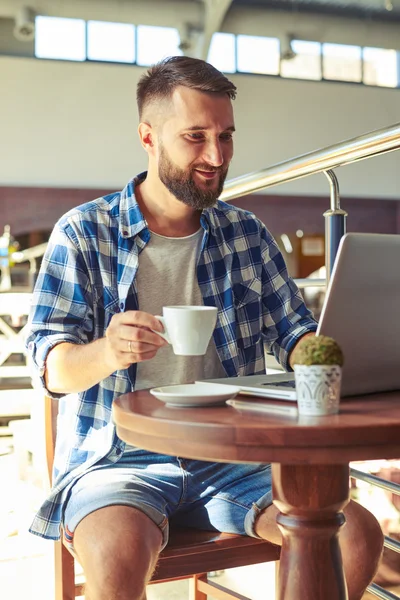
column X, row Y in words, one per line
column 26, row 568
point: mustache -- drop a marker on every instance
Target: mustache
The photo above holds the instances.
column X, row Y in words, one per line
column 208, row 169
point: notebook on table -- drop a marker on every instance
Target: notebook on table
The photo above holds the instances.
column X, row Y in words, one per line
column 361, row 312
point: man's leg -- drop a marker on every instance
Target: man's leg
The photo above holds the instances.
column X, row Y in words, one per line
column 115, row 519
column 238, row 499
column 361, row 544
column 118, row 548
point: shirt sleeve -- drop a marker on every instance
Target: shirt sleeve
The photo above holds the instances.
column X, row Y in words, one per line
column 285, row 315
column 62, row 303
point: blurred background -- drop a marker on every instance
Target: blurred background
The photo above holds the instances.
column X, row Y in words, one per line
column 310, row 74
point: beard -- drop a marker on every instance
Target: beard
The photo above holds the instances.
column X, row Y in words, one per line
column 181, row 183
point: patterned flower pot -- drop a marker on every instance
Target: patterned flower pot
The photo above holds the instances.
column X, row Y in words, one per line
column 318, row 389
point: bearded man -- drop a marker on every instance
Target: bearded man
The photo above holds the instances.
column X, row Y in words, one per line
column 110, row 266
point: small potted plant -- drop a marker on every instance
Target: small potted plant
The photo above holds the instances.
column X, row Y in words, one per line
column 318, row 362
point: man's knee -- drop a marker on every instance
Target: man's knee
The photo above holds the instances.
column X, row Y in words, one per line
column 118, row 548
column 266, row 526
column 361, row 543
column 361, row 538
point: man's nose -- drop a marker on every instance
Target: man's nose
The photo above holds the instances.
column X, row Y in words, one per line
column 213, row 154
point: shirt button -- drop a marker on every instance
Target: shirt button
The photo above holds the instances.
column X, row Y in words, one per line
column 125, row 233
column 118, row 451
column 30, row 346
column 122, row 305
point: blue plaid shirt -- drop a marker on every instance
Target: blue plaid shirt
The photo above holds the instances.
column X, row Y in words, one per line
column 88, row 274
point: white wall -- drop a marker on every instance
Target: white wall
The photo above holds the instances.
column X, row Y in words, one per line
column 70, row 124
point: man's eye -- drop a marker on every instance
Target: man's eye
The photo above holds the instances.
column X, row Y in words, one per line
column 195, row 136
column 227, row 137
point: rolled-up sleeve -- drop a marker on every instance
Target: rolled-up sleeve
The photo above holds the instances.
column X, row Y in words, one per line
column 285, row 315
column 61, row 309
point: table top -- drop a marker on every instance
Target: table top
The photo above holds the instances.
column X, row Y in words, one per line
column 367, row 427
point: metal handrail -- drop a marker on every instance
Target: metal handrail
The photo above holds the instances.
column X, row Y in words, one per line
column 368, row 145
column 308, row 282
column 379, row 592
column 389, row 542
column 320, row 161
column 389, row 486
column 392, row 544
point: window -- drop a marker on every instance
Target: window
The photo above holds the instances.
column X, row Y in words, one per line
column 307, row 62
column 156, row 43
column 77, row 40
column 222, row 52
column 342, row 63
column 111, row 41
column 380, row 67
column 60, row 38
column 258, row 54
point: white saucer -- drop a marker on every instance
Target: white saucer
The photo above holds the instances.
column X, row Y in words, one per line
column 195, row 394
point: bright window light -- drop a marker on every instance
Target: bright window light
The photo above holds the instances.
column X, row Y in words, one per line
column 156, row 43
column 341, row 63
column 111, row 41
column 258, row 54
column 60, row 38
column 380, row 67
column 307, row 62
column 222, row 52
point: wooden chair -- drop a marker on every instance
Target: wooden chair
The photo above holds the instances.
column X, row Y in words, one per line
column 189, row 554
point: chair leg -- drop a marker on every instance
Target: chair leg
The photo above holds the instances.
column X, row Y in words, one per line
column 64, row 573
column 194, row 592
column 277, row 580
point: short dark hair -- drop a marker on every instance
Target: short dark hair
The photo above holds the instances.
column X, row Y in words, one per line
column 160, row 81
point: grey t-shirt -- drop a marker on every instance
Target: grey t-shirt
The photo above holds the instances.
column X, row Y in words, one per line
column 167, row 277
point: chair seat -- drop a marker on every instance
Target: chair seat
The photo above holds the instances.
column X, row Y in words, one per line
column 191, row 551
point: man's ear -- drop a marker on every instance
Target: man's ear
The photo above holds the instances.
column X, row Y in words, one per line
column 146, row 136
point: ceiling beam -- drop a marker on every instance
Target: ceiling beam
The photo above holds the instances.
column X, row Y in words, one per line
column 195, row 40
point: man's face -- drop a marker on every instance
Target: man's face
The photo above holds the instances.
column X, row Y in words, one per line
column 195, row 146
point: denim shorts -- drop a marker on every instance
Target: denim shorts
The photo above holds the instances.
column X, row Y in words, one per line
column 173, row 490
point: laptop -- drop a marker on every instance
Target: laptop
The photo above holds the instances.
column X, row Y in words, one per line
column 361, row 312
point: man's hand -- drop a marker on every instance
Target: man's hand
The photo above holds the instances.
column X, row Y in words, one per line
column 129, row 339
column 74, row 368
column 302, row 337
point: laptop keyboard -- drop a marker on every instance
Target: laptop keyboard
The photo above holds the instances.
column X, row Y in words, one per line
column 286, row 384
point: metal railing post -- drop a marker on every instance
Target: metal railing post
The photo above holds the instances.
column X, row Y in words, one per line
column 335, row 224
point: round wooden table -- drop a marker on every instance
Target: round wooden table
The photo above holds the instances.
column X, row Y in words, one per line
column 310, row 468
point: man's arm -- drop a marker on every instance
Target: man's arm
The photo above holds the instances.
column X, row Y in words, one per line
column 286, row 317
column 74, row 368
column 61, row 323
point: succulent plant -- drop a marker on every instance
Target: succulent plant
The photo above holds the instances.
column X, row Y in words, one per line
column 317, row 350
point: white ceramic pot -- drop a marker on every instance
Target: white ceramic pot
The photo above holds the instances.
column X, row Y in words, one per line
column 318, row 389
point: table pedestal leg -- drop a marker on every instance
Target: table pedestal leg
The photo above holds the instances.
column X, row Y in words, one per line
column 310, row 499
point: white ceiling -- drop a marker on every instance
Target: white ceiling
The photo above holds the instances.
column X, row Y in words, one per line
column 388, row 10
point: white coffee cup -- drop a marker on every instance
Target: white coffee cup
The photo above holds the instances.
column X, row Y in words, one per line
column 188, row 328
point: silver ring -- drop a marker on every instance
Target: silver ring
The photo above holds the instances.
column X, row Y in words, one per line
column 130, row 346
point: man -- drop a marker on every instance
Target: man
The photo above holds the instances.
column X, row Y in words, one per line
column 110, row 266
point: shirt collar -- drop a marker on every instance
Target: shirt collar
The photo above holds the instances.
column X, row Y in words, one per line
column 132, row 221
